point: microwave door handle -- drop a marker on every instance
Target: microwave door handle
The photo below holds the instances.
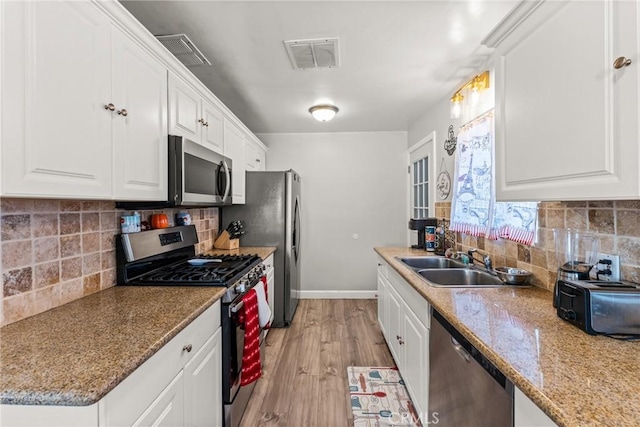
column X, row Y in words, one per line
column 228, row 181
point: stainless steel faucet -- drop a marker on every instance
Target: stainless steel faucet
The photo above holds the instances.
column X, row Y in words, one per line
column 486, row 259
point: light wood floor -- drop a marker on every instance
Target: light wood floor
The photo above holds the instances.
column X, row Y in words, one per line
column 304, row 378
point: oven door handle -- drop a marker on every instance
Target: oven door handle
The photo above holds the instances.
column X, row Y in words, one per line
column 237, row 307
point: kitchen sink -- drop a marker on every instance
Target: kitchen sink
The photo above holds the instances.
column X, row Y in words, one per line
column 460, row 278
column 421, row 262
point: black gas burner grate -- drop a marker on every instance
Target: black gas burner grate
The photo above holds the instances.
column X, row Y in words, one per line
column 219, row 273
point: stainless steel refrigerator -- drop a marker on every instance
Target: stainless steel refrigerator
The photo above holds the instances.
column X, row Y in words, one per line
column 271, row 217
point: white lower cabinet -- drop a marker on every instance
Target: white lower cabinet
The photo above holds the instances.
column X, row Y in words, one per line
column 404, row 318
column 527, row 414
column 203, row 384
column 168, row 408
column 180, row 385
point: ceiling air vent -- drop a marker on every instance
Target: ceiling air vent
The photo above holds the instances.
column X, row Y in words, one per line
column 183, row 49
column 313, row 53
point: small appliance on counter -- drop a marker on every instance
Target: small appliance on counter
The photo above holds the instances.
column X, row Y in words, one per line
column 600, row 307
column 576, row 254
column 420, row 225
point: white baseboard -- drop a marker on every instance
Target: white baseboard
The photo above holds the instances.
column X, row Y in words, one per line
column 338, row 294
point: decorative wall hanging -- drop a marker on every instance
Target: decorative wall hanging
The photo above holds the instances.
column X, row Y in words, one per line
column 474, row 210
column 443, row 183
column 450, row 143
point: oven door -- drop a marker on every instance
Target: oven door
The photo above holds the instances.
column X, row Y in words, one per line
column 233, row 348
column 197, row 175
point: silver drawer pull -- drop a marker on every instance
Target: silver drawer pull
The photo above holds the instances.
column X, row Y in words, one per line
column 188, row 348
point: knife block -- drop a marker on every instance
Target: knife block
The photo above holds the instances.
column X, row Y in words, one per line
column 224, row 242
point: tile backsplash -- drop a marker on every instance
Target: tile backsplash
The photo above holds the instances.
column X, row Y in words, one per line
column 615, row 223
column 56, row 251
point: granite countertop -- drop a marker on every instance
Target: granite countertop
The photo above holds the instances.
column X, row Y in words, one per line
column 575, row 378
column 73, row 355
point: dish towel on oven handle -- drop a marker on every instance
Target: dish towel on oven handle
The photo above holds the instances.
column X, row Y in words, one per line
column 251, row 368
column 264, row 312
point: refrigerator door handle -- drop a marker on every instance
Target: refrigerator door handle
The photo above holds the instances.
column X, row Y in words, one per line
column 296, row 230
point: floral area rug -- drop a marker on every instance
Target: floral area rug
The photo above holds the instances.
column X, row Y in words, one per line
column 379, row 398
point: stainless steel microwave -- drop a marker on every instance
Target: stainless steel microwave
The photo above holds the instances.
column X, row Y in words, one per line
column 197, row 175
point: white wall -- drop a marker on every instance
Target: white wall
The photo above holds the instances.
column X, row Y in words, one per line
column 352, row 184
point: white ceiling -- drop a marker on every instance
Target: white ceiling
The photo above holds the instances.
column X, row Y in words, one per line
column 397, row 57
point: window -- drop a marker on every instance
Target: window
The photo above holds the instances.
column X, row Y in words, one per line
column 421, row 188
column 422, row 180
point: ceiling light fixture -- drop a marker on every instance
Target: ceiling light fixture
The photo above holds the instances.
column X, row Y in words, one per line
column 456, row 105
column 323, row 113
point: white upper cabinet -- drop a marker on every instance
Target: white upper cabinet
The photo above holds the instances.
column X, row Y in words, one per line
column 566, row 112
column 56, row 79
column 234, row 148
column 256, row 156
column 140, row 136
column 193, row 117
column 84, row 106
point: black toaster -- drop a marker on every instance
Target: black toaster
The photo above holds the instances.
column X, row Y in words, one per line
column 600, row 307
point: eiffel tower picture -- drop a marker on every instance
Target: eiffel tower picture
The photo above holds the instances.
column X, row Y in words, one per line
column 467, row 192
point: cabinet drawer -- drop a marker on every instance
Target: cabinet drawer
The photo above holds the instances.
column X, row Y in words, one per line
column 268, row 263
column 411, row 297
column 383, row 267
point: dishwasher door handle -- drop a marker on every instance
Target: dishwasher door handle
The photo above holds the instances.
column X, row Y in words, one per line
column 460, row 350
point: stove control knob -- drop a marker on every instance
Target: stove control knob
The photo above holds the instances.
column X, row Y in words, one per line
column 242, row 286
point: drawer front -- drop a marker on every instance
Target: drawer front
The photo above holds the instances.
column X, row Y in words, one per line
column 411, row 297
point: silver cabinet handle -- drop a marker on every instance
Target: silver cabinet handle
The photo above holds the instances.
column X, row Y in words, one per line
column 621, row 62
column 401, row 342
column 258, row 160
column 123, row 112
column 109, row 107
column 206, row 124
column 187, row 348
column 201, row 121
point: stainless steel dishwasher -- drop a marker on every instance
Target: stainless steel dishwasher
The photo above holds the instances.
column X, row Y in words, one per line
column 465, row 389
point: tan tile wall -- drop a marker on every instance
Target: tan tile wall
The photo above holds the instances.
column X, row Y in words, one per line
column 56, row 251
column 616, row 223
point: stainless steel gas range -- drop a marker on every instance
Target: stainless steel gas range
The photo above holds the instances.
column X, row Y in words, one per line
column 166, row 257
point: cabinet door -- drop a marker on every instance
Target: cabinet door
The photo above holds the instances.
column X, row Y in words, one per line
column 234, row 144
column 395, row 335
column 140, row 142
column 203, row 390
column 566, row 119
column 168, row 408
column 184, row 110
column 56, row 133
column 213, row 130
column 383, row 305
column 526, row 413
column 415, row 371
